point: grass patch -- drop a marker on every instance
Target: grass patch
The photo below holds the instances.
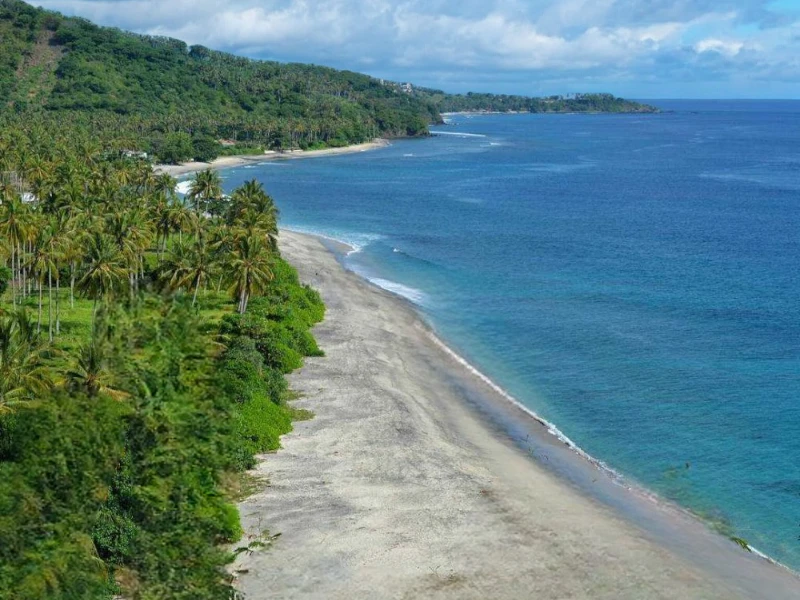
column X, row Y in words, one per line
column 300, row 414
column 240, row 486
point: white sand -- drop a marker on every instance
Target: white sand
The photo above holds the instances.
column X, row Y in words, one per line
column 400, row 488
column 225, row 162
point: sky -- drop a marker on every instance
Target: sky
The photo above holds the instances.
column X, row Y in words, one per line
column 632, row 48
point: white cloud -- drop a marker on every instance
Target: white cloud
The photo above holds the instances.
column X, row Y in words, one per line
column 599, row 42
column 729, row 48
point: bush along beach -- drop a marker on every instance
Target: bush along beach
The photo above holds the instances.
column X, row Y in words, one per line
column 144, row 340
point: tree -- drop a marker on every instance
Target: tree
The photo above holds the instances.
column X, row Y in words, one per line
column 91, row 372
column 14, row 228
column 104, row 269
column 5, row 277
column 206, row 148
column 176, row 148
column 180, row 219
column 51, row 244
column 206, row 186
column 191, row 266
column 251, row 195
column 38, row 265
column 23, row 373
column 250, row 269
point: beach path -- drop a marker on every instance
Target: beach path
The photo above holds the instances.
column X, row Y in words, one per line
column 398, row 489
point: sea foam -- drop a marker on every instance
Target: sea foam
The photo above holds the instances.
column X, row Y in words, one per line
column 551, row 428
column 183, row 187
column 458, row 134
column 355, row 240
column 409, row 293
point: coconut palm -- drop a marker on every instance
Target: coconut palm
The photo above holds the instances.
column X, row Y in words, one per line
column 141, row 233
column 181, row 219
column 251, row 195
column 8, row 190
column 38, row 265
column 206, row 186
column 262, row 225
column 220, row 240
column 23, row 373
column 104, row 268
column 91, row 372
column 177, row 265
column 201, row 266
column 37, row 173
column 250, row 269
column 13, row 228
column 164, row 185
column 72, row 255
column 51, row 243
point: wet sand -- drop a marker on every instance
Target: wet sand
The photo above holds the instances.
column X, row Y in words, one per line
column 418, row 479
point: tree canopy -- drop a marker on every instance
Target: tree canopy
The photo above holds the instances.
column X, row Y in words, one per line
column 144, row 339
column 176, row 102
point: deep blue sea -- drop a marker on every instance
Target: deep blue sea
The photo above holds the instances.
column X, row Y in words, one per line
column 634, row 279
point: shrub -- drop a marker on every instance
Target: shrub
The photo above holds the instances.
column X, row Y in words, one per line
column 5, row 277
column 205, row 148
column 261, row 423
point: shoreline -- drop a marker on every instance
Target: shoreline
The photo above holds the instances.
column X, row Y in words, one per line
column 341, row 248
column 600, row 539
column 228, row 162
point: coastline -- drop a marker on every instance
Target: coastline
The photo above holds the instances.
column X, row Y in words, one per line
column 499, row 471
column 227, row 162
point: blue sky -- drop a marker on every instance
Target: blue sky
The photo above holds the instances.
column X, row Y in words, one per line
column 634, row 48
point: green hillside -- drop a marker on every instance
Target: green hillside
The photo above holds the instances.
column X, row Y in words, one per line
column 472, row 102
column 150, row 86
column 175, row 101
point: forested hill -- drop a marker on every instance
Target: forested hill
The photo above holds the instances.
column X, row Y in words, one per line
column 472, row 102
column 175, row 101
column 151, row 85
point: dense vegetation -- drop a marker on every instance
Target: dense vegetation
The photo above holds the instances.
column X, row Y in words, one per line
column 152, row 89
column 176, row 102
column 143, row 345
column 472, row 102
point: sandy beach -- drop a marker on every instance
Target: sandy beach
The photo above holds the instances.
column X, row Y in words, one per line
column 417, row 479
column 226, row 162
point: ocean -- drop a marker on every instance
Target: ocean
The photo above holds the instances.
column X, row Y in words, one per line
column 633, row 279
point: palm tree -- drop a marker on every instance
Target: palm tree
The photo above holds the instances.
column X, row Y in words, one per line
column 38, row 266
column 260, row 225
column 220, row 240
column 141, row 234
column 51, row 242
column 91, row 373
column 175, row 268
column 195, row 266
column 13, row 227
column 37, row 173
column 8, row 190
column 72, row 254
column 251, row 195
column 181, row 219
column 250, row 269
column 164, row 185
column 205, row 187
column 23, row 373
column 104, row 269
column 132, row 233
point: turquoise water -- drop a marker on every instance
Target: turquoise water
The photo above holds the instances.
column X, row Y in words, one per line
column 633, row 279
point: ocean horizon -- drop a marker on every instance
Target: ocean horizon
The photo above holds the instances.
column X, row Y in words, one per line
column 632, row 279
